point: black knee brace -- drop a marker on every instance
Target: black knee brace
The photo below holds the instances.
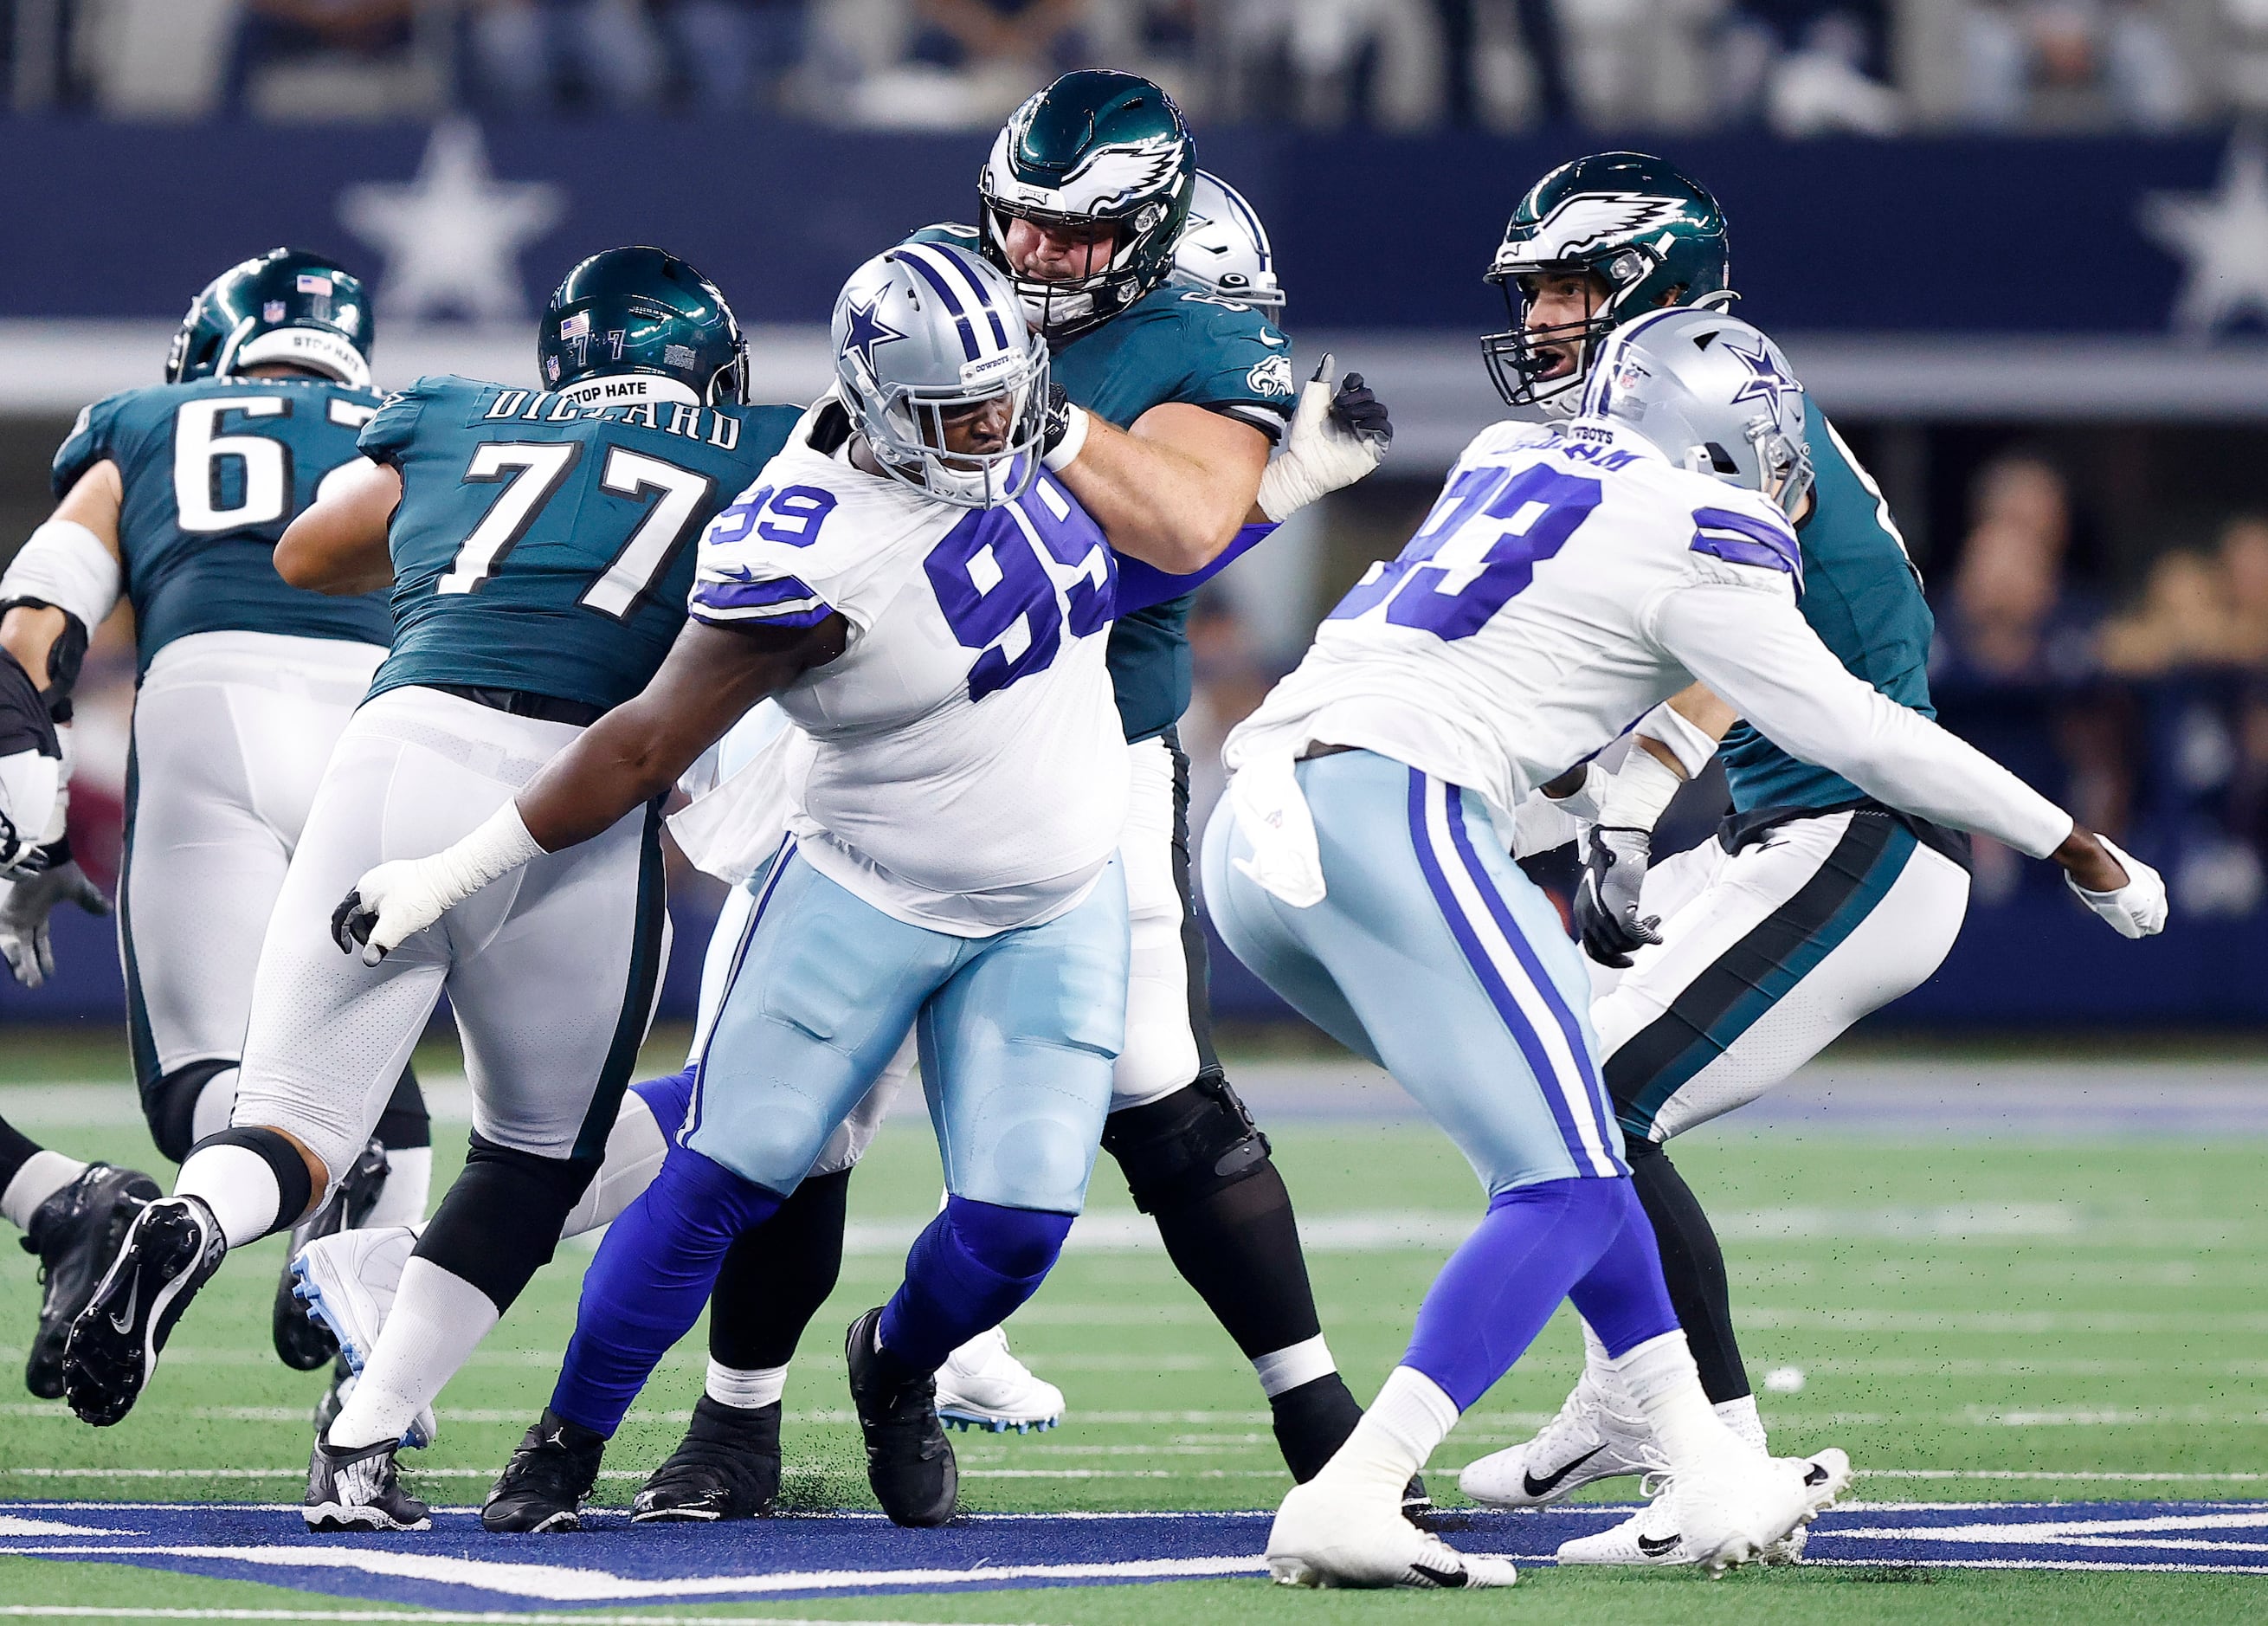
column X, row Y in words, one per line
column 295, row 1182
column 499, row 1223
column 1194, row 1143
column 170, row 1103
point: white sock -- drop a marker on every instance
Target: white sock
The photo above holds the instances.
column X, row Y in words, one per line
column 1597, row 1363
column 409, row 1181
column 1410, row 1418
column 44, row 1174
column 240, row 1189
column 215, row 1100
column 635, row 1148
column 1294, row 1365
column 746, row 1388
column 1741, row 1416
column 1660, row 1378
column 437, row 1321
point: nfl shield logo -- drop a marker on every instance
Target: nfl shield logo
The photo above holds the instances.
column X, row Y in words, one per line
column 273, row 310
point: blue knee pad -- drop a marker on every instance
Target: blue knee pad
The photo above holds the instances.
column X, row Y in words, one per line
column 967, row 1273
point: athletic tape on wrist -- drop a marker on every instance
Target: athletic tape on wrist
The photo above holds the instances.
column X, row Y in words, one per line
column 1639, row 791
column 1077, row 421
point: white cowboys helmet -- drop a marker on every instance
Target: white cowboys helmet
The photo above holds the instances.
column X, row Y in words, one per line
column 922, row 332
column 1714, row 394
column 1224, row 248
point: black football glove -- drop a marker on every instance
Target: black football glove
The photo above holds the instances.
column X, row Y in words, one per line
column 1355, row 408
column 1606, row 904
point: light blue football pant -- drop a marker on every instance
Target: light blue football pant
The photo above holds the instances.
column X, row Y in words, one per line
column 1433, row 956
column 1017, row 1033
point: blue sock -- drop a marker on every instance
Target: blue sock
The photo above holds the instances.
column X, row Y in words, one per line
column 1498, row 1290
column 653, row 1274
column 669, row 1099
column 967, row 1272
column 1624, row 1297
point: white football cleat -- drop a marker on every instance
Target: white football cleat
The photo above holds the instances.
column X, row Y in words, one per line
column 1327, row 1535
column 1721, row 1518
column 1589, row 1441
column 348, row 1280
column 983, row 1385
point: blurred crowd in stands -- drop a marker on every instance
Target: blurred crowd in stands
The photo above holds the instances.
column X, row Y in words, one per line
column 1800, row 67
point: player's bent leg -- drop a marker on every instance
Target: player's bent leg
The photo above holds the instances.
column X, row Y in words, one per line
column 1192, row 1157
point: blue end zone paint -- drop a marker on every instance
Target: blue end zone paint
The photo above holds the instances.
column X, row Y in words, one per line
column 458, row 1566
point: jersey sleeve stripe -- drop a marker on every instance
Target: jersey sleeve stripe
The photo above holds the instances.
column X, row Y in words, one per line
column 1741, row 539
column 782, row 601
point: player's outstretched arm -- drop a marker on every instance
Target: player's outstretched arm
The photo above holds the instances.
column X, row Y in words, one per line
column 1173, row 491
column 633, row 754
column 1756, row 650
column 338, row 546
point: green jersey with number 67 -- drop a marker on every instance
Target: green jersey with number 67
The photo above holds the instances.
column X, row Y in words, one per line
column 212, row 471
column 544, row 546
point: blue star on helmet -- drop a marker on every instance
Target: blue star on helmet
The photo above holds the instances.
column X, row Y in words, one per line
column 1765, row 381
column 867, row 330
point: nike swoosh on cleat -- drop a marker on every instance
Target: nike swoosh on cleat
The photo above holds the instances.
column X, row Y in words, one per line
column 1439, row 1577
column 1654, row 1547
column 1550, row 1482
column 124, row 1322
column 1815, row 1475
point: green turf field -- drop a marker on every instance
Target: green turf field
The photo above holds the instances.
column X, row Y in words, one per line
column 2002, row 1320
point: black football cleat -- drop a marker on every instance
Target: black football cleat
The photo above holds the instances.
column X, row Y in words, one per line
column 302, row 1342
column 170, row 1249
column 726, row 1467
column 908, row 1460
column 76, row 1232
column 354, row 1488
column 543, row 1487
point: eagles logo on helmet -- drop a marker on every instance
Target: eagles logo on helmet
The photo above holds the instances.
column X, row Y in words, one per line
column 1649, row 234
column 1094, row 149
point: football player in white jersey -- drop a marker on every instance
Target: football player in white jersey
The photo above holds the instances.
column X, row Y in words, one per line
column 1570, row 578
column 930, row 609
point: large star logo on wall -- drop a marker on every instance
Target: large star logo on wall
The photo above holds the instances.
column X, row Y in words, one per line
column 2221, row 237
column 867, row 330
column 452, row 236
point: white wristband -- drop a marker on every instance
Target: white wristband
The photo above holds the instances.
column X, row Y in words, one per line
column 1687, row 739
column 1641, row 788
column 1075, row 422
column 498, row 846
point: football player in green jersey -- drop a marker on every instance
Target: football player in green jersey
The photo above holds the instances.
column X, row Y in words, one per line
column 1173, row 396
column 174, row 497
column 1721, row 970
column 538, row 542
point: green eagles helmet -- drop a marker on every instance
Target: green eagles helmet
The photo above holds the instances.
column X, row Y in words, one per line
column 1093, row 147
column 637, row 324
column 286, row 305
column 1652, row 234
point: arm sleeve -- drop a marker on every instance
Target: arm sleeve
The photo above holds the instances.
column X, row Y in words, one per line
column 388, row 433
column 1756, row 650
column 88, row 443
column 1142, row 586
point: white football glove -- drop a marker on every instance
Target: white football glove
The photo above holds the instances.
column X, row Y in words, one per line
column 2136, row 909
column 32, row 809
column 395, row 901
column 1339, row 434
column 24, row 913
